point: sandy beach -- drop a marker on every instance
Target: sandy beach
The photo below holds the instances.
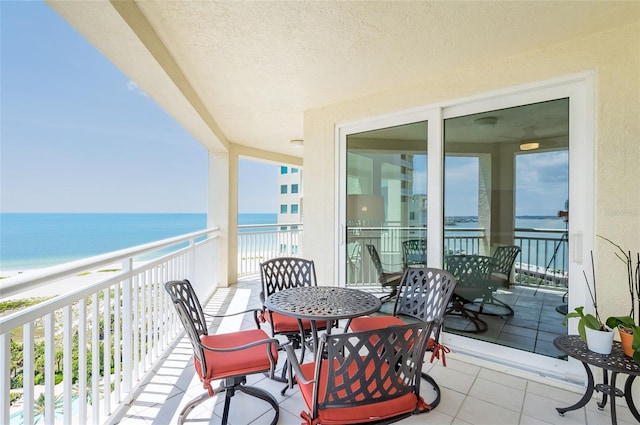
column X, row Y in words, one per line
column 61, row 286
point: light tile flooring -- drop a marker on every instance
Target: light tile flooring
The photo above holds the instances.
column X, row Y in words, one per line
column 473, row 392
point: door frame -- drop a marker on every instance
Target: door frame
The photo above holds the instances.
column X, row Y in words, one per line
column 580, row 89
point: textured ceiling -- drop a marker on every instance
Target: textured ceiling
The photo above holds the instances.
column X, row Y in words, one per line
column 247, row 71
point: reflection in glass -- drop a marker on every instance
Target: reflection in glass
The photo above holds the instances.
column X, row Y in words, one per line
column 386, row 201
column 506, row 220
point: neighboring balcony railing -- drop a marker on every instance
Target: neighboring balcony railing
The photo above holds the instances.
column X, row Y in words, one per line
column 258, row 243
column 91, row 347
column 542, row 262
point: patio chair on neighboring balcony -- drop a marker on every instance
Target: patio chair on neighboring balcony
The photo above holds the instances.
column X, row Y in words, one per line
column 283, row 273
column 474, row 293
column 414, row 253
column 364, row 377
column 386, row 279
column 228, row 357
column 503, row 259
column 423, row 295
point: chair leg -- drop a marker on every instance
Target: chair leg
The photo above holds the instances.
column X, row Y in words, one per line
column 263, row 395
column 190, row 406
column 436, row 388
column 459, row 309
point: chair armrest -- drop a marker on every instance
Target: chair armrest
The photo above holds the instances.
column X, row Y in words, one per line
column 294, row 364
column 257, row 313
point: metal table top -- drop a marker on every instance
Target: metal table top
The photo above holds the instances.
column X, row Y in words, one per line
column 617, row 361
column 323, row 302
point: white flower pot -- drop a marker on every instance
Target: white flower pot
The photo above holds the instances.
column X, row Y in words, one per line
column 599, row 341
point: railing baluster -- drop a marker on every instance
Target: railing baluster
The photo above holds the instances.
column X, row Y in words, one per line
column 95, row 357
column 67, row 372
column 82, row 360
column 49, row 369
column 28, row 344
column 5, row 363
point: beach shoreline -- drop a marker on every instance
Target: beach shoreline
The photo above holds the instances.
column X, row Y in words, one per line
column 61, row 286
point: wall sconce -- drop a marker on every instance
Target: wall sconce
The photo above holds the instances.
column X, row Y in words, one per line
column 529, row 146
column 367, row 210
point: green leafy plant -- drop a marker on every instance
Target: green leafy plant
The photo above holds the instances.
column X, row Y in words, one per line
column 626, row 324
column 586, row 321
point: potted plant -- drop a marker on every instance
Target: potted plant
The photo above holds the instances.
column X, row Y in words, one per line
column 627, row 325
column 590, row 328
column 629, row 335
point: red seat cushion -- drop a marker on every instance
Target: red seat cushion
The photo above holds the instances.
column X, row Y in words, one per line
column 368, row 323
column 369, row 412
column 284, row 323
column 235, row 363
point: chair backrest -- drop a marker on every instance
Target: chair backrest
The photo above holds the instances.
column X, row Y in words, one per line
column 286, row 272
column 414, row 251
column 503, row 259
column 424, row 294
column 373, row 253
column 363, row 368
column 191, row 315
column 470, row 270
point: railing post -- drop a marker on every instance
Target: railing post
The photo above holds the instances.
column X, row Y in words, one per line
column 127, row 327
column 5, row 364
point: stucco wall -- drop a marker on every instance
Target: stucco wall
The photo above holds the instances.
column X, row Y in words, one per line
column 615, row 58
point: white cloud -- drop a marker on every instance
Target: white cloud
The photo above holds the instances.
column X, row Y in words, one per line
column 131, row 86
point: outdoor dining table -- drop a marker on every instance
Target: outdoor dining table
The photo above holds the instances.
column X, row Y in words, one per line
column 322, row 303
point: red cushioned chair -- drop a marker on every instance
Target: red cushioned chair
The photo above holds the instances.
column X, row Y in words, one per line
column 227, row 357
column 284, row 273
column 364, row 377
column 423, row 296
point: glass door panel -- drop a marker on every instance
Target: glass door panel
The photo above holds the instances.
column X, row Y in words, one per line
column 506, row 184
column 386, row 202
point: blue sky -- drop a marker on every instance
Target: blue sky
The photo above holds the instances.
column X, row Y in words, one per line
column 79, row 136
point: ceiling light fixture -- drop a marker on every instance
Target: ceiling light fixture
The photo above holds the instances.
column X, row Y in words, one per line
column 486, row 122
column 529, row 146
column 296, row 142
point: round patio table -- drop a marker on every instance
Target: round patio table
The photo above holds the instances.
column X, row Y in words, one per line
column 616, row 362
column 328, row 303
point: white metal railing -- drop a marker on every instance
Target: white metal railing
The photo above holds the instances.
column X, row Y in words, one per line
column 91, row 347
column 258, row 243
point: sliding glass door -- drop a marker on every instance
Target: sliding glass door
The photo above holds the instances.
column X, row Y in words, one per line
column 506, row 190
column 386, row 201
column 487, row 181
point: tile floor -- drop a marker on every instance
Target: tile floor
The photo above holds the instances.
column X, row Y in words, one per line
column 473, row 392
column 533, row 326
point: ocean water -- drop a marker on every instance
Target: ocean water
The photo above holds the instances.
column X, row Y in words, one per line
column 35, row 240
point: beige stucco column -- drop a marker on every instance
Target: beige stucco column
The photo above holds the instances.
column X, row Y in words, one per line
column 223, row 212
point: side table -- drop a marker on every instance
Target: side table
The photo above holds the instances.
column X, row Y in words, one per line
column 616, row 362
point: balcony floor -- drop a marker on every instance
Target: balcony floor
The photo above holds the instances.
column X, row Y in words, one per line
column 473, row 392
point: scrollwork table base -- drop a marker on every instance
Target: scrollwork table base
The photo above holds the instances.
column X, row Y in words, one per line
column 616, row 362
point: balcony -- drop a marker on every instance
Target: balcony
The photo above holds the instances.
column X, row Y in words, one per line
column 151, row 376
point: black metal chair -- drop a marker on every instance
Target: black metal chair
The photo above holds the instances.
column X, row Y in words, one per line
column 423, row 296
column 364, row 377
column 386, row 279
column 503, row 259
column 414, row 253
column 228, row 357
column 473, row 294
column 283, row 273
